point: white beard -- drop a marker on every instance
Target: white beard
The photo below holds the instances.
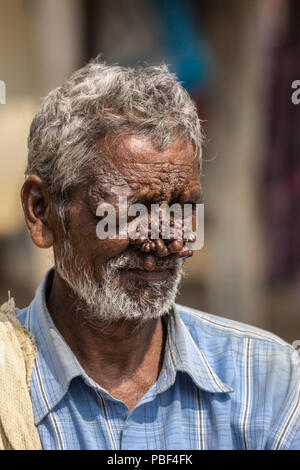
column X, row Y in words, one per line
column 111, row 302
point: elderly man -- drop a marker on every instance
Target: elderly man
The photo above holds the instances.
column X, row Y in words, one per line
column 118, row 365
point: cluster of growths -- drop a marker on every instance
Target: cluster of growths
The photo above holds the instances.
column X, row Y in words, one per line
column 178, row 246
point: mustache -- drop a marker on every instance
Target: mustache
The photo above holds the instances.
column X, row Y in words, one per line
column 130, row 259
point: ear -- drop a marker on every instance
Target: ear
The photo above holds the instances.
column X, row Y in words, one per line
column 37, row 207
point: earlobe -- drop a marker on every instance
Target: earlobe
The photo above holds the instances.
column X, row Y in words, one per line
column 36, row 204
column 41, row 236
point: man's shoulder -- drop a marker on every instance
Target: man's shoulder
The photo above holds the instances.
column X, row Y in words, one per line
column 234, row 349
column 205, row 325
column 262, row 369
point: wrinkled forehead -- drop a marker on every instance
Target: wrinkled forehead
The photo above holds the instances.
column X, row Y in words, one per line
column 132, row 163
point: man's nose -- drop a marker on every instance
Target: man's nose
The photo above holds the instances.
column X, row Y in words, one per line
column 175, row 245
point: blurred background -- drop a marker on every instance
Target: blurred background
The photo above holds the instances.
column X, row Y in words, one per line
column 238, row 59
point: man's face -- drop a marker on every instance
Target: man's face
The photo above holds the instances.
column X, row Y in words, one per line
column 108, row 276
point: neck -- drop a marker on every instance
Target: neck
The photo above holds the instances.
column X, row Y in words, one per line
column 108, row 353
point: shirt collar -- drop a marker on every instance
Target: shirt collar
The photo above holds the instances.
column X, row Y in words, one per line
column 188, row 356
column 56, row 365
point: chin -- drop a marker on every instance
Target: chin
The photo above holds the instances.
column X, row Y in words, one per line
column 143, row 291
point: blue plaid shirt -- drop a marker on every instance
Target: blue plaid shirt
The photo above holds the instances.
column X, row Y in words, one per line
column 223, row 385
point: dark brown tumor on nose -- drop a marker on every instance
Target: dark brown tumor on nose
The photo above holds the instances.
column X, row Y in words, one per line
column 178, row 246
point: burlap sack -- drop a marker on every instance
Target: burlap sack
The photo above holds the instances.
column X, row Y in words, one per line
column 17, row 354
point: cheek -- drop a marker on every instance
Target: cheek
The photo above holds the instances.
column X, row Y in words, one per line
column 103, row 251
column 95, row 251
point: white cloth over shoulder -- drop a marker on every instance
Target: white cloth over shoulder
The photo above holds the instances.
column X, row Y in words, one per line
column 17, row 355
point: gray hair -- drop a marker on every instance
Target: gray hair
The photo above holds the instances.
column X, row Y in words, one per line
column 99, row 100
